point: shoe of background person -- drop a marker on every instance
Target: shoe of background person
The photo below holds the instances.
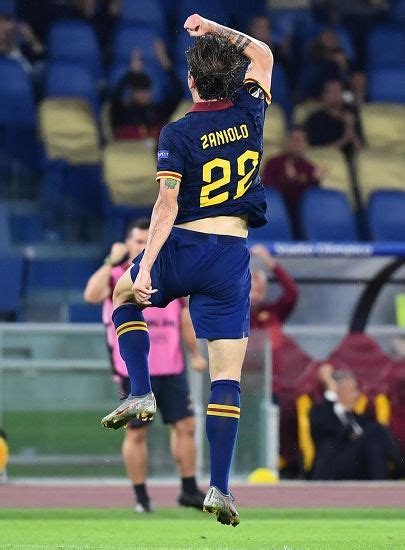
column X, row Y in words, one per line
column 220, row 505
column 192, row 500
column 143, row 508
column 143, row 408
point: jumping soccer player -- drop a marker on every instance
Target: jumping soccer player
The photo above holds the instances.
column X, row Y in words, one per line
column 208, row 164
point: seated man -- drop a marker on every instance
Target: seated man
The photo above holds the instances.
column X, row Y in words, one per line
column 348, row 445
column 291, row 173
column 335, row 124
column 133, row 113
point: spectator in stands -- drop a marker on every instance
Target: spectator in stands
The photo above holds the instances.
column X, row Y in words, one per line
column 265, row 314
column 168, row 328
column 335, row 124
column 260, row 28
column 326, row 61
column 291, row 173
column 348, row 445
column 136, row 116
column 358, row 86
column 18, row 42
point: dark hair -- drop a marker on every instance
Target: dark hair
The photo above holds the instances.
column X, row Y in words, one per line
column 140, row 81
column 140, row 223
column 217, row 66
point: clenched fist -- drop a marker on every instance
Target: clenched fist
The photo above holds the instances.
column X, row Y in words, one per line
column 196, row 25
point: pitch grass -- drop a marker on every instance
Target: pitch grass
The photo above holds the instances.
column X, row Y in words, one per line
column 294, row 529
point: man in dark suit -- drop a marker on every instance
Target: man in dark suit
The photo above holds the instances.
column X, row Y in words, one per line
column 348, row 445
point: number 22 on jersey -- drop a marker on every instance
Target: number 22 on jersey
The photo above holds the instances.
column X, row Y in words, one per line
column 225, row 165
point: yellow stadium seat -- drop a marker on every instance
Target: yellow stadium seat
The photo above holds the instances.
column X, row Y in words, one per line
column 378, row 169
column 303, row 110
column 183, row 108
column 383, row 125
column 274, row 132
column 129, row 172
column 105, row 121
column 331, row 160
column 69, row 130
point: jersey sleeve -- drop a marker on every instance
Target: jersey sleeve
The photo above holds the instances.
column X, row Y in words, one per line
column 253, row 96
column 171, row 155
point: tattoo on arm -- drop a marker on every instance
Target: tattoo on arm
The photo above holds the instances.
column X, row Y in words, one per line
column 240, row 40
column 171, row 183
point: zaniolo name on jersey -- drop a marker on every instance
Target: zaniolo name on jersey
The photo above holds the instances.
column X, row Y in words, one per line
column 215, row 152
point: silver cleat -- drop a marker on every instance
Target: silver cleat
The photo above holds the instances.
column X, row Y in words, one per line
column 221, row 505
column 143, row 408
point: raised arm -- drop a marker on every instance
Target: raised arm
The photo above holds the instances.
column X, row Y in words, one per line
column 258, row 52
column 163, row 215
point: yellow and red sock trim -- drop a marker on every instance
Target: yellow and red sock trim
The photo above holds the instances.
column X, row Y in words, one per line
column 215, row 409
column 131, row 325
column 266, row 92
column 166, row 174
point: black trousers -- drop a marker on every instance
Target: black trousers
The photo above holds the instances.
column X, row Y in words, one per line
column 364, row 457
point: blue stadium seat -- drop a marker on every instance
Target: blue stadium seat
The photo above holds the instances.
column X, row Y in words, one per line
column 84, row 313
column 16, row 95
column 279, row 227
column 8, row 7
column 383, row 226
column 326, row 216
column 134, row 12
column 128, row 38
column 398, row 11
column 288, row 22
column 63, row 273
column 386, row 47
column 27, row 228
column 387, row 85
column 280, row 89
column 211, row 9
column 75, row 41
column 11, row 275
column 66, row 79
column 5, row 240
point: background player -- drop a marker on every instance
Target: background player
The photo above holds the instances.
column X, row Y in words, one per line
column 215, row 152
column 169, row 328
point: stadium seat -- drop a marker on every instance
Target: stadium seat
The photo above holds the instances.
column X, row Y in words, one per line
column 275, row 128
column 332, row 160
column 326, row 216
column 27, row 227
column 387, row 85
column 5, row 240
column 107, row 131
column 278, row 227
column 280, row 90
column 385, row 227
column 380, row 170
column 11, row 277
column 211, row 9
column 383, row 125
column 65, row 79
column 8, row 7
column 140, row 37
column 17, row 113
column 304, row 110
column 129, row 173
column 386, row 47
column 59, row 273
column 75, row 41
column 133, row 12
column 69, row 130
column 398, row 11
column 181, row 110
column 84, row 313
